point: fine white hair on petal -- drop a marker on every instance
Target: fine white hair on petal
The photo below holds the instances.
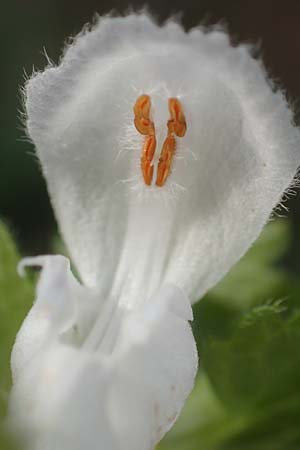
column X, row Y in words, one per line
column 73, row 399
column 239, row 155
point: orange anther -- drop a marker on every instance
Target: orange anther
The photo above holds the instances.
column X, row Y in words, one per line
column 177, row 123
column 165, row 160
column 141, row 111
column 147, row 157
column 147, row 171
column 145, row 126
column 149, row 147
column 176, row 126
column 142, row 106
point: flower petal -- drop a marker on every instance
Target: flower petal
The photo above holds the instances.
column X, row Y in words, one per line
column 75, row 398
column 239, row 154
column 63, row 309
column 155, row 366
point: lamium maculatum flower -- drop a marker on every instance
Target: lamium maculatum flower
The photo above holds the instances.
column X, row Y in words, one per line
column 165, row 153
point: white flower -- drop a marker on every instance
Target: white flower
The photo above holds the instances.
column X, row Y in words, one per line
column 107, row 364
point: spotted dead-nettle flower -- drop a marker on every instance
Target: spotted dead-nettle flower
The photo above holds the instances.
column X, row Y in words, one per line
column 164, row 153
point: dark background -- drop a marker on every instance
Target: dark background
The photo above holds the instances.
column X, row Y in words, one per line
column 29, row 26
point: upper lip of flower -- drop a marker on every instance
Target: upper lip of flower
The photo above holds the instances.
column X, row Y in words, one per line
column 129, row 240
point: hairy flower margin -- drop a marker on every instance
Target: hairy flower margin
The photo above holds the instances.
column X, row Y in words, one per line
column 108, row 362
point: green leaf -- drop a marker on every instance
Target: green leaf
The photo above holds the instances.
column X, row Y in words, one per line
column 251, row 396
column 257, row 277
column 6, row 441
column 16, row 296
column 258, row 362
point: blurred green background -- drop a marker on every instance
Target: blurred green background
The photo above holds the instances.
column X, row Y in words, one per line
column 247, row 396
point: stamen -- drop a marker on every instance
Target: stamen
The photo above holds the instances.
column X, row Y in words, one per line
column 145, row 126
column 147, row 157
column 177, row 123
column 142, row 120
column 165, row 160
column 176, row 126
